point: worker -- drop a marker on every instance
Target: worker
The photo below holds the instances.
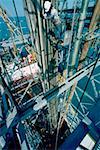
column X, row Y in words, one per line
column 67, row 39
column 51, row 13
column 60, row 68
column 67, row 35
column 23, row 52
column 32, row 54
column 64, row 53
column 11, row 52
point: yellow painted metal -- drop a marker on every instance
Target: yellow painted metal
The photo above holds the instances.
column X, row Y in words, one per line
column 5, row 18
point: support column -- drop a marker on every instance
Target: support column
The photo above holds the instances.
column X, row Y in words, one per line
column 22, row 137
column 80, row 29
column 85, row 49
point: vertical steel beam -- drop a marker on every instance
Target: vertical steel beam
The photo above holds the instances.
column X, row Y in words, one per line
column 93, row 24
column 42, row 47
column 85, row 49
column 30, row 16
column 33, row 9
column 31, row 19
column 80, row 29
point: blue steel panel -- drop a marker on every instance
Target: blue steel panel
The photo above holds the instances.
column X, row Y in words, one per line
column 94, row 115
column 72, row 142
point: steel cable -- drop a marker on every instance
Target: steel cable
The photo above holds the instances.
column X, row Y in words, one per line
column 85, row 88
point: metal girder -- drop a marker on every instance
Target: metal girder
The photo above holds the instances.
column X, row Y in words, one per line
column 81, row 105
column 12, row 27
column 94, row 87
column 86, row 94
column 32, row 109
column 30, row 16
column 8, row 43
column 85, row 49
column 92, row 122
column 9, row 23
column 92, row 37
column 37, row 28
column 81, row 25
column 37, row 4
column 27, row 88
column 85, row 104
column 93, row 24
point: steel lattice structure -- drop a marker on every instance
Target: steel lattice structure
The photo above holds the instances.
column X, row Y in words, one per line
column 35, row 98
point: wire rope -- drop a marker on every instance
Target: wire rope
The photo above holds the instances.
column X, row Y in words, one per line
column 72, row 30
column 19, row 26
column 36, row 15
column 18, row 20
column 22, row 34
column 70, row 43
column 85, row 88
column 30, row 20
column 57, row 134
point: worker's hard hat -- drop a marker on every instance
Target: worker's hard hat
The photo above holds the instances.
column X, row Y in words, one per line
column 47, row 6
